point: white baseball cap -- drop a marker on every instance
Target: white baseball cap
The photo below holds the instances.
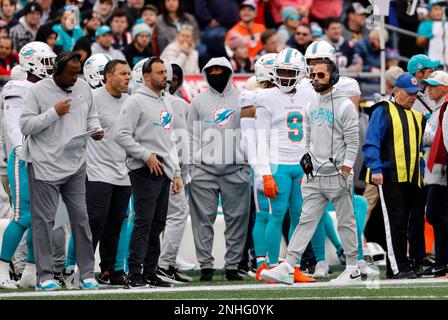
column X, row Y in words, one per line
column 437, row 78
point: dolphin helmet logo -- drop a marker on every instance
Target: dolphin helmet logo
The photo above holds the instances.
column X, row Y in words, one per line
column 165, row 120
column 222, row 117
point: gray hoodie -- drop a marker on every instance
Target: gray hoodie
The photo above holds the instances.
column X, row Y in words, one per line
column 145, row 125
column 214, row 127
column 331, row 124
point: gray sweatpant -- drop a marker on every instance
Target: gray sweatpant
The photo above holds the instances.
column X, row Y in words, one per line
column 316, row 195
column 176, row 220
column 44, row 198
column 204, row 191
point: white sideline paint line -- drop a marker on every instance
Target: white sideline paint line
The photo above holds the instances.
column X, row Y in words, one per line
column 384, row 284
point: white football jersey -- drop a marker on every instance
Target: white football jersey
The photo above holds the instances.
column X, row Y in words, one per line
column 280, row 128
column 247, row 98
column 348, row 86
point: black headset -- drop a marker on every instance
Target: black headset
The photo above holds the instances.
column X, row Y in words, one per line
column 59, row 65
column 147, row 66
column 334, row 75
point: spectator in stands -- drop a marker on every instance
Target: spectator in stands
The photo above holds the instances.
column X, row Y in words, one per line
column 355, row 23
column 26, row 30
column 9, row 8
column 49, row 11
column 333, row 35
column 119, row 25
column 392, row 58
column 240, row 60
column 104, row 8
column 170, row 20
column 91, row 22
column 368, row 49
column 134, row 10
column 270, row 42
column 103, row 43
column 149, row 16
column 302, row 38
column 68, row 30
column 316, row 31
column 323, row 9
column 140, row 48
column 391, row 75
column 8, row 57
column 182, row 51
column 291, row 18
column 4, row 31
column 247, row 28
column 435, row 177
column 83, row 46
column 301, row 6
column 431, row 35
column 47, row 35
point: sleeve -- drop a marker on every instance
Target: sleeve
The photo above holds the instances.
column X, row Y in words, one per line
column 374, row 139
column 445, row 129
column 93, row 121
column 422, row 149
column 350, row 131
column 126, row 125
column 306, row 124
column 262, row 129
column 425, row 29
column 32, row 122
column 193, row 128
column 12, row 112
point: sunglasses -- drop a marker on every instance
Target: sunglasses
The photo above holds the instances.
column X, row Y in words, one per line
column 302, row 34
column 320, row 75
column 292, row 17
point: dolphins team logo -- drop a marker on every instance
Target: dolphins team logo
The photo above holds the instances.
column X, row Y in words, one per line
column 222, row 117
column 165, row 120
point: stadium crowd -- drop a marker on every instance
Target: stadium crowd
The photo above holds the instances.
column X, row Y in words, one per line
column 112, row 70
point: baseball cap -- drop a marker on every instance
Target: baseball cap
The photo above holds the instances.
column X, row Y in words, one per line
column 357, row 8
column 420, row 62
column 101, row 31
column 249, row 3
column 437, row 78
column 32, row 7
column 139, row 28
column 435, row 2
column 408, row 82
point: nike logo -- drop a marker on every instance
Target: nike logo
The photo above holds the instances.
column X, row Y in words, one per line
column 355, row 276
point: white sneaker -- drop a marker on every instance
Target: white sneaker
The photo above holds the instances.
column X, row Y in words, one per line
column 5, row 280
column 351, row 274
column 283, row 273
column 28, row 279
column 367, row 270
column 321, row 270
column 70, row 277
column 183, row 265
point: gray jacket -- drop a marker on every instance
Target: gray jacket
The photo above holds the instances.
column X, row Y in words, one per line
column 145, row 126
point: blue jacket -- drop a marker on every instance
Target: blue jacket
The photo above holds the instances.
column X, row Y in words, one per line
column 370, row 57
column 65, row 40
column 225, row 12
column 374, row 139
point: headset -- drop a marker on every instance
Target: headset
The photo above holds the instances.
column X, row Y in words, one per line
column 147, row 66
column 59, row 64
column 334, row 75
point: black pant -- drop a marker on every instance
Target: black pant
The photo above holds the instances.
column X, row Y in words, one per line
column 151, row 195
column 400, row 199
column 437, row 214
column 416, row 230
column 106, row 207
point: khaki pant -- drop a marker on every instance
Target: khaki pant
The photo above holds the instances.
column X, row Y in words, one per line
column 372, row 196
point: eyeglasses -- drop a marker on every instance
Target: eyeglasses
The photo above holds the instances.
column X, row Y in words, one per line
column 292, row 17
column 320, row 75
column 302, row 34
column 427, row 69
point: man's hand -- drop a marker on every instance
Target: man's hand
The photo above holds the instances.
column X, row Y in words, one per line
column 377, row 178
column 346, row 169
column 155, row 166
column 269, row 186
column 177, row 185
column 63, row 107
column 98, row 135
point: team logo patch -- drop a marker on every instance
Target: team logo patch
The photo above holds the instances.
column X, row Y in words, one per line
column 165, row 120
column 28, row 53
column 414, row 81
column 222, row 117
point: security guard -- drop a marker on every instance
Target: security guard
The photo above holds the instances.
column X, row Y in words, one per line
column 393, row 156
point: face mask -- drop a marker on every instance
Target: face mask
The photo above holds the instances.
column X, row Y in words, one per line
column 320, row 87
column 218, row 81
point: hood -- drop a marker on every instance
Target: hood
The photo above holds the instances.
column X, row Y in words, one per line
column 174, row 68
column 223, row 62
column 144, row 90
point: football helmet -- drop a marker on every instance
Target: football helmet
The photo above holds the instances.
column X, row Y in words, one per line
column 288, row 69
column 94, row 69
column 137, row 72
column 37, row 58
column 264, row 67
column 319, row 50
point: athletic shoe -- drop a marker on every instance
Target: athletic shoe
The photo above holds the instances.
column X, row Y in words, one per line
column 206, row 274
column 417, row 267
column 28, row 279
column 321, row 270
column 173, row 275
column 403, row 275
column 89, row 284
column 351, row 274
column 252, row 272
column 232, row 275
column 307, row 268
column 299, row 277
column 104, row 279
column 5, row 280
column 119, row 278
column 135, row 280
column 283, row 273
column 70, row 276
column 183, row 265
column 154, row 281
column 13, row 275
column 258, row 276
column 434, row 271
column 48, row 285
column 366, row 270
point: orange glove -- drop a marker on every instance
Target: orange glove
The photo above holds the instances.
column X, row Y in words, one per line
column 269, row 186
